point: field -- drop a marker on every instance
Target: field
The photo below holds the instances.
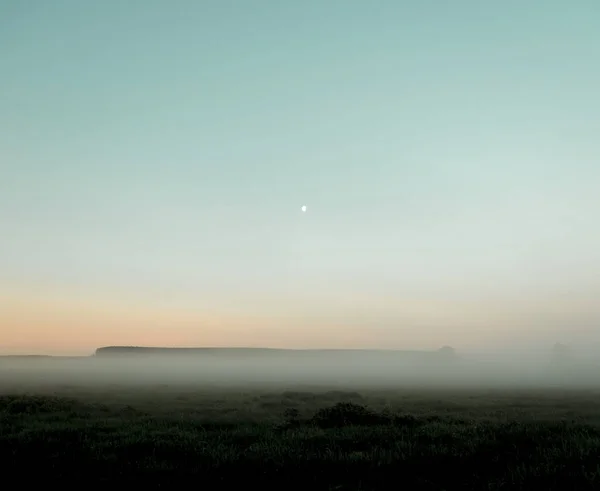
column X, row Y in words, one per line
column 292, row 436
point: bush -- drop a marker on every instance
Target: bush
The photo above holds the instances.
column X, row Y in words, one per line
column 26, row 404
column 291, row 414
column 348, row 414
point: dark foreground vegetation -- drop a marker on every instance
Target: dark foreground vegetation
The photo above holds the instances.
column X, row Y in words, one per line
column 314, row 439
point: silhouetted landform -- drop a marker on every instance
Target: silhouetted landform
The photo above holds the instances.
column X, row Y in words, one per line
column 39, row 358
column 26, row 356
column 445, row 353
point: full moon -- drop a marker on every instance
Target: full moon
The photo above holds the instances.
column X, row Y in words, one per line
column 303, row 208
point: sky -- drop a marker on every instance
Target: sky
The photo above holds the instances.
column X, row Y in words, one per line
column 155, row 156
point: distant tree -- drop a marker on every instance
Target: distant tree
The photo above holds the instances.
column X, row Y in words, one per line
column 447, row 349
column 447, row 352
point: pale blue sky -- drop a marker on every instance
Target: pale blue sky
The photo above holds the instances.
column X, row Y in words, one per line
column 445, row 150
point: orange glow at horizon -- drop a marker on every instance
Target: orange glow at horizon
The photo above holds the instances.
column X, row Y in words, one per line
column 76, row 324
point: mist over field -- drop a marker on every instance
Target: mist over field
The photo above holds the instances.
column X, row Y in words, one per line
column 304, row 419
column 368, row 368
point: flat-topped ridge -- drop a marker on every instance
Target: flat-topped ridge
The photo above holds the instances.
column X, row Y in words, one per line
column 241, row 351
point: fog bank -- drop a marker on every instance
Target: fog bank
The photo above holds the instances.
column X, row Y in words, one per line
column 346, row 367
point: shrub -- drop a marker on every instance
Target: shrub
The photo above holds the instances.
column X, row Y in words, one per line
column 348, row 414
column 26, row 404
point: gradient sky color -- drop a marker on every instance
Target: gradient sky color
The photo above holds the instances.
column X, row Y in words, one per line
column 154, row 157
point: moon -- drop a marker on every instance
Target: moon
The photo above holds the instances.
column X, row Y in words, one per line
column 303, row 208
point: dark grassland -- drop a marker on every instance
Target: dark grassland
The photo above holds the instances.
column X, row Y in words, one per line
column 300, row 437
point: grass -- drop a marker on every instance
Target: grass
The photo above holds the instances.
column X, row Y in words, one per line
column 301, row 438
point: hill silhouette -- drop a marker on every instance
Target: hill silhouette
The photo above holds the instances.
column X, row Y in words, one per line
column 407, row 355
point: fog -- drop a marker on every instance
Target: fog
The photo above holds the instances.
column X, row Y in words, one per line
column 360, row 368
